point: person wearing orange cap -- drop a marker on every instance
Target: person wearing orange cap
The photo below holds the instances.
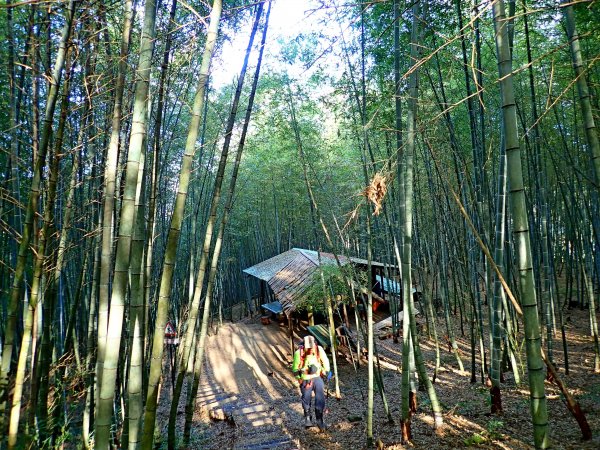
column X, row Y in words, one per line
column 310, row 365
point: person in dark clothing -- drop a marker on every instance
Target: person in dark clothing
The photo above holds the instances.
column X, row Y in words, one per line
column 310, row 365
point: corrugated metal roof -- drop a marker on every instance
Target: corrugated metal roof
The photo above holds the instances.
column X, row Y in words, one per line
column 289, row 283
column 326, row 258
column 388, row 285
column 364, row 262
column 269, row 267
column 289, row 273
column 392, row 286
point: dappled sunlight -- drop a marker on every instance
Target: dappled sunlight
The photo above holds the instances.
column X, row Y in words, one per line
column 239, row 361
column 253, row 361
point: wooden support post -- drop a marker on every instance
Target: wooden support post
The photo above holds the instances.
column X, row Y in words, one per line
column 291, row 327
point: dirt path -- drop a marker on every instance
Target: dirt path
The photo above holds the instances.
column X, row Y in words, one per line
column 252, row 362
column 252, row 359
column 248, row 366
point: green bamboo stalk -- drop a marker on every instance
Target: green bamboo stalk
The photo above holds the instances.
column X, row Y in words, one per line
column 108, row 199
column 173, row 236
column 36, row 288
column 398, row 133
column 88, row 410
column 32, row 207
column 217, row 252
column 127, row 222
column 370, row 344
column 497, row 329
column 136, row 323
column 541, row 196
column 13, row 116
column 39, row 399
column 593, row 321
column 314, row 209
column 201, row 341
column 522, row 244
column 406, row 228
column 582, row 88
column 154, row 177
column 201, row 338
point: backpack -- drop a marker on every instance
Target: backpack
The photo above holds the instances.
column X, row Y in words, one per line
column 301, row 348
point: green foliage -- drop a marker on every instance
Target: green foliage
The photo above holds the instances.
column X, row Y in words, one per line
column 493, row 429
column 272, row 191
column 335, row 281
column 474, row 440
column 302, row 48
column 492, row 433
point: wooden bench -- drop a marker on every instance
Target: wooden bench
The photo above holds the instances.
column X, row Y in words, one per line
column 387, row 323
column 274, row 307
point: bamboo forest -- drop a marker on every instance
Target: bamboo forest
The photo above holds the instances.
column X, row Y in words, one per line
column 299, row 224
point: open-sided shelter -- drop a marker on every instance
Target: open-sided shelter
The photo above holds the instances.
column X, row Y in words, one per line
column 289, row 274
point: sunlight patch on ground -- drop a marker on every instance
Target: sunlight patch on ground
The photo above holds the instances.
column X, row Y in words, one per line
column 239, row 365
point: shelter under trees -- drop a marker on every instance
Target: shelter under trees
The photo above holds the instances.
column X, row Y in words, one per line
column 292, row 276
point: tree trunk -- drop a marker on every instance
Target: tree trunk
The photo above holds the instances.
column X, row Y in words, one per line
column 108, row 206
column 518, row 207
column 110, row 364
column 174, row 232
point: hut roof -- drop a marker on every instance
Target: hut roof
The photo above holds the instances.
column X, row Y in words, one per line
column 268, row 268
column 364, row 262
column 289, row 273
column 289, row 283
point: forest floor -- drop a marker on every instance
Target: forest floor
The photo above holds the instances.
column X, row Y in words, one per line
column 251, row 362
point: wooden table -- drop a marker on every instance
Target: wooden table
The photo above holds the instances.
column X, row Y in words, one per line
column 274, row 307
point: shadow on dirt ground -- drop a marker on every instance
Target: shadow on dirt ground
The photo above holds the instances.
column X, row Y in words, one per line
column 253, row 361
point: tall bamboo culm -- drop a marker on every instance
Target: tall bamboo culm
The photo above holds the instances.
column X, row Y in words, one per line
column 408, row 395
column 173, row 237
column 108, row 198
column 110, row 365
column 518, row 209
column 32, row 207
column 212, row 221
column 583, row 90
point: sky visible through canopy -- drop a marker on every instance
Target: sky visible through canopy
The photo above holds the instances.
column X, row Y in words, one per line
column 289, row 19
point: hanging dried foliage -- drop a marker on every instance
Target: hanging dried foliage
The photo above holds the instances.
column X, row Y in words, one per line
column 375, row 192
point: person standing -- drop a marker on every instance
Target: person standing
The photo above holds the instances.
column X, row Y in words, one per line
column 310, row 366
